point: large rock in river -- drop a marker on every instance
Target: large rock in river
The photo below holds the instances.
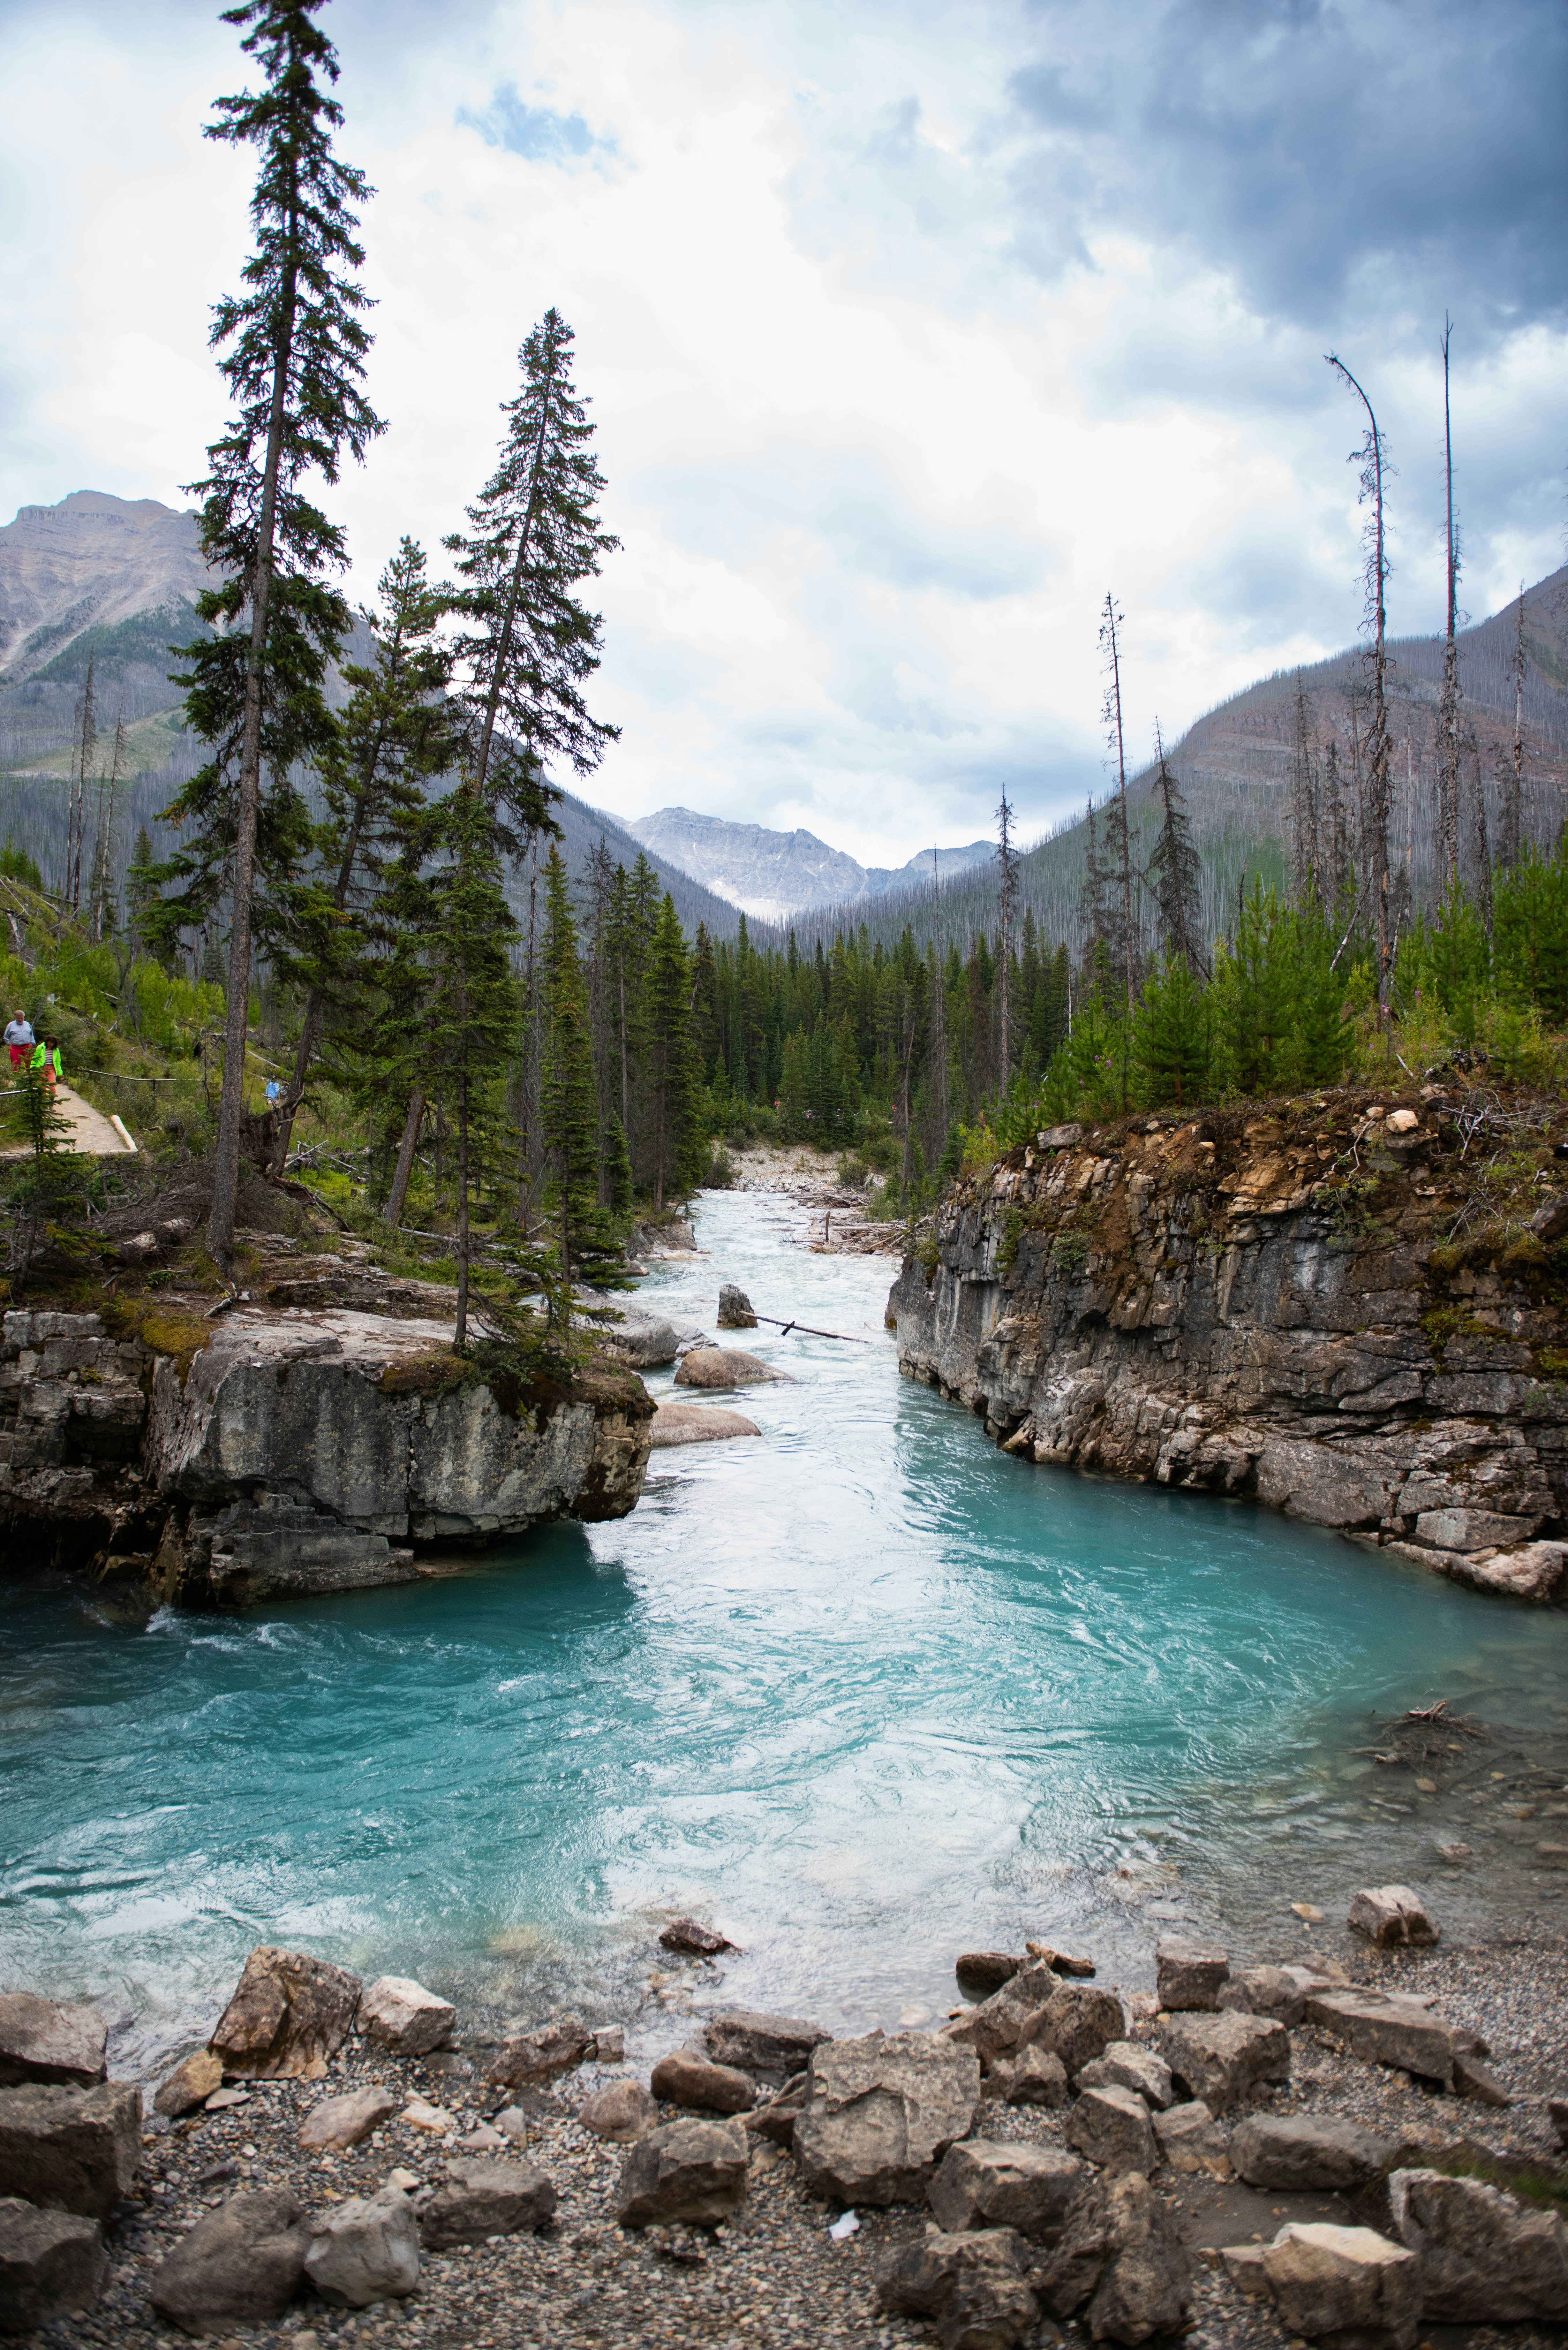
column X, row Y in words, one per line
column 301, row 1455
column 697, row 1423
column 724, row 1367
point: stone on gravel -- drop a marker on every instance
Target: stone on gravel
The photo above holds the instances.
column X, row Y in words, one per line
column 690, row 2170
column 1220, row 2059
column 1121, row 2253
column 401, row 2014
column 695, row 1939
column 1128, row 2064
column 49, row 2040
column 974, row 2285
column 735, row 1308
column 49, row 2261
column 1188, row 1976
column 880, row 2114
column 535, row 2057
column 1112, row 2128
column 985, row 2183
column 288, row 2014
column 1079, row 2024
column 1482, row 2255
column 367, row 2250
column 724, row 1367
column 686, row 2078
column 1349, row 2283
column 620, row 2111
column 695, row 1423
column 1035, row 2076
column 1243, row 2264
column 241, row 2264
column 1191, row 2140
column 1390, row 1915
column 986, row 1970
column 485, row 2199
column 758, row 2043
column 73, row 2149
column 1387, row 2028
column 190, row 2084
column 1299, row 2153
column 340, row 2122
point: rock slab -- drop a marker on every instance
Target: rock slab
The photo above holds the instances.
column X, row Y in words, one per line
column 1387, row 2028
column 1296, row 2154
column 1188, row 1976
column 696, row 1423
column 694, row 2171
column 190, row 2084
column 399, row 2014
column 1220, row 2059
column 49, row 2261
column 340, row 2122
column 1344, row 2282
column 73, row 2149
column 1128, row 2064
column 879, row 2114
column 622, row 2111
column 535, row 2057
column 762, row 2043
column 50, row 2040
column 1111, row 2128
column 242, row 2264
column 985, row 2183
column 485, row 2199
column 288, row 2014
column 724, row 1367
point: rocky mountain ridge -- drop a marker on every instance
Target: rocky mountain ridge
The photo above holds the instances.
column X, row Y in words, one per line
column 94, row 561
column 772, row 875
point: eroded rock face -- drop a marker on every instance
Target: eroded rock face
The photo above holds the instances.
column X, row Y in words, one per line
column 288, row 2014
column 879, row 2113
column 1181, row 1302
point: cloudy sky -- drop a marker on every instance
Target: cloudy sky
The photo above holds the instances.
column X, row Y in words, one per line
column 910, row 328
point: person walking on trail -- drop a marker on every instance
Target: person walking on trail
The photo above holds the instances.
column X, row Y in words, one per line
column 20, row 1037
column 47, row 1058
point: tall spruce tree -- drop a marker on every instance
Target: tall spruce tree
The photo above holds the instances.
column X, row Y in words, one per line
column 1175, row 870
column 568, row 1102
column 671, row 1097
column 295, row 345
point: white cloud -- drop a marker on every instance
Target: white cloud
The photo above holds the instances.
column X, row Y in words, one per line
column 885, row 404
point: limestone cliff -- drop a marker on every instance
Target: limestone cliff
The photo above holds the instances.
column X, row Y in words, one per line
column 1337, row 1306
column 292, row 1452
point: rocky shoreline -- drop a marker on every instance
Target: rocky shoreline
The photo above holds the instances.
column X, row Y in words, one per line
column 1359, row 2150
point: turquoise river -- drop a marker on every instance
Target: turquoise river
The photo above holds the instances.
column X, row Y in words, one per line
column 865, row 1693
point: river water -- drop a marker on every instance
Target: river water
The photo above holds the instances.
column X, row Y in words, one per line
column 864, row 1692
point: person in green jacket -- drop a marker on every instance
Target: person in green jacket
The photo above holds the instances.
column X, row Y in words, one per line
column 47, row 1057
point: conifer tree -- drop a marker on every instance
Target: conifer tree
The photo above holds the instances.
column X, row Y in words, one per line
column 569, row 1104
column 671, row 1107
column 1373, row 459
column 525, row 643
column 1176, row 869
column 1172, row 1042
column 294, row 364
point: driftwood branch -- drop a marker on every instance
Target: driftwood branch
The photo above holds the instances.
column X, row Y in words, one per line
column 846, row 1337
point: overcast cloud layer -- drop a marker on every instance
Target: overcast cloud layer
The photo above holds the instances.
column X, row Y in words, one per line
column 910, row 330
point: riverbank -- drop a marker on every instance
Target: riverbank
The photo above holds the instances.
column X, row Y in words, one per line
column 777, row 2272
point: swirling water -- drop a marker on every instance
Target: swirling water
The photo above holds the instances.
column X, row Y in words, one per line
column 864, row 1691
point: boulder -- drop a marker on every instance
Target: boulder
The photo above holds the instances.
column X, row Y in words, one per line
column 762, row 2043
column 1301, row 2154
column 610, row 2044
column 367, row 2250
column 776, row 2121
column 398, row 2013
column 1128, row 2064
column 1243, row 2264
column 879, row 2114
column 686, row 2078
column 1035, row 2076
column 1345, row 2282
column 1482, row 2256
column 1389, row 1915
column 693, row 1940
column 643, row 1341
column 241, row 2264
column 1079, row 2024
column 49, row 2040
column 975, row 2286
column 1122, row 2254
column 73, row 2149
column 1278, row 1991
column 1387, row 2028
column 485, row 2199
column 1220, row 2059
column 724, row 1367
column 1112, row 2128
column 692, row 2171
column 340, row 2122
column 1008, row 2020
column 696, row 1423
column 288, row 2014
column 735, row 1309
column 1061, row 1962
column 622, row 2111
column 1191, row 2140
column 536, row 2057
column 190, row 2084
column 1188, row 1976
column 986, row 1970
column 981, row 2183
column 49, row 2261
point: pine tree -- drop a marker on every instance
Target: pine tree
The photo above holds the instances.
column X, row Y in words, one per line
column 1175, row 870
column 673, row 1140
column 525, row 643
column 569, row 1104
column 296, row 359
column 1171, row 1038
